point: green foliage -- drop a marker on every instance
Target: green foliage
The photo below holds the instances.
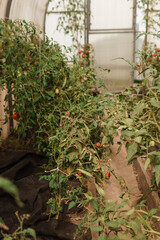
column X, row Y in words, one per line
column 60, row 115
column 10, row 188
column 21, row 233
column 72, row 18
column 37, row 76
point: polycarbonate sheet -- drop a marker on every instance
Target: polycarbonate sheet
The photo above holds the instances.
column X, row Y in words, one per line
column 29, row 10
column 109, row 47
column 3, row 8
column 52, row 6
column 111, row 14
column 57, row 5
column 59, row 36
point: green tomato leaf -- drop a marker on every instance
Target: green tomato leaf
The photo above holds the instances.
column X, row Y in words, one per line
column 85, row 172
column 71, row 205
column 130, row 212
column 138, row 139
column 1, row 220
column 110, row 208
column 95, row 205
column 132, row 149
column 153, row 212
column 147, row 162
column 7, row 238
column 29, row 231
column 9, row 187
column 128, row 133
column 141, row 132
column 97, row 228
column 102, row 237
column 104, row 140
column 157, row 174
column 138, row 109
column 154, row 103
column 100, row 190
column 112, row 224
column 128, row 122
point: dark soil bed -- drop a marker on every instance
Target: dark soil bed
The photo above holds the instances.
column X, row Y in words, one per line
column 23, row 169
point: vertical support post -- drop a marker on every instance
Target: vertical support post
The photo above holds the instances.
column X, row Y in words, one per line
column 134, row 31
column 87, row 21
column 9, row 95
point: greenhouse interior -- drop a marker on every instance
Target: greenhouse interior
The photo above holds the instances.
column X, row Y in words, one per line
column 80, row 119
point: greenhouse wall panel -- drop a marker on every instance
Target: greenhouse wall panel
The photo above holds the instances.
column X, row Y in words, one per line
column 111, row 14
column 110, row 49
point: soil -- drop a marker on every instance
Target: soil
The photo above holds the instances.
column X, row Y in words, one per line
column 135, row 178
column 123, row 171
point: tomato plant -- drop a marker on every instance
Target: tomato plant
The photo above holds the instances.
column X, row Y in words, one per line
column 59, row 114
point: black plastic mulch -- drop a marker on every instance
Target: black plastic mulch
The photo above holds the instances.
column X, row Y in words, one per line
column 23, row 169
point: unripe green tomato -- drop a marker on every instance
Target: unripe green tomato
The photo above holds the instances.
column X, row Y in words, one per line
column 57, row 91
column 152, row 143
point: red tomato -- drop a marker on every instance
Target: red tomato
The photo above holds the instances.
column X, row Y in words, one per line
column 155, row 55
column 87, row 52
column 134, row 99
column 15, row 116
column 79, row 172
column 83, row 55
column 98, row 144
column 107, row 175
column 79, row 51
column 143, row 119
column 138, row 65
column 66, row 145
column 66, row 114
column 88, row 46
column 158, row 50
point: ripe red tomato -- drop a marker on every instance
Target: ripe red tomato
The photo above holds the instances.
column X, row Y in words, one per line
column 133, row 99
column 87, row 52
column 66, row 114
column 154, row 55
column 83, row 55
column 66, row 145
column 138, row 65
column 79, row 51
column 158, row 50
column 143, row 119
column 88, row 46
column 107, row 175
column 98, row 144
column 15, row 116
column 79, row 172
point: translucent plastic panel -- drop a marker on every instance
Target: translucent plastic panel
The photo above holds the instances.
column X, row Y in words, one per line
column 111, row 14
column 3, row 7
column 57, row 5
column 52, row 6
column 108, row 47
column 60, row 37
column 29, row 10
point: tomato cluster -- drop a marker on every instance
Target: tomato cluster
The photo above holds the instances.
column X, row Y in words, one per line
column 85, row 52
